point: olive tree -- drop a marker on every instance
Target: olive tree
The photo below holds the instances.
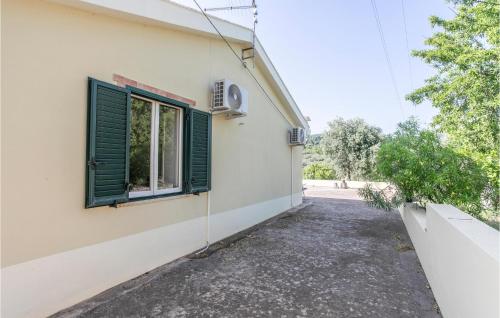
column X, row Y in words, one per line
column 351, row 145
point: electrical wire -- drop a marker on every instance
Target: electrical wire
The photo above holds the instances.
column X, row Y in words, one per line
column 386, row 53
column 410, row 71
column 241, row 61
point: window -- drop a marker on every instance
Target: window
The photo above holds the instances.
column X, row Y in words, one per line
column 155, row 148
column 141, row 145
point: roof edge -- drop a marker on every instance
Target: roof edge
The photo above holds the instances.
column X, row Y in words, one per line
column 173, row 15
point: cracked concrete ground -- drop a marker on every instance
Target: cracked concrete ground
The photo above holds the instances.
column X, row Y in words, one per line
column 335, row 258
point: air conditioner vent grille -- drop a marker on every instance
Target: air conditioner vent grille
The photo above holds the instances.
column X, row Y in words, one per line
column 230, row 99
column 219, row 94
column 297, row 136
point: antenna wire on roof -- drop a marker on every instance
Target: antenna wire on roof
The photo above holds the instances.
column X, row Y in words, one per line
column 242, row 62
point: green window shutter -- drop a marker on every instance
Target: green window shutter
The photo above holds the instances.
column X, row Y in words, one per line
column 108, row 134
column 200, row 152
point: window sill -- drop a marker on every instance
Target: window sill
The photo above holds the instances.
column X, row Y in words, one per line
column 149, row 200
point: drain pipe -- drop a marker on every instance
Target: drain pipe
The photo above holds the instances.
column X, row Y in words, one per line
column 291, row 177
column 207, row 237
column 208, row 216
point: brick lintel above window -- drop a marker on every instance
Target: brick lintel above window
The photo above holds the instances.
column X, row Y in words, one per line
column 124, row 81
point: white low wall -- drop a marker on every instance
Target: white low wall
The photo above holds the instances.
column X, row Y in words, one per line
column 350, row 184
column 460, row 257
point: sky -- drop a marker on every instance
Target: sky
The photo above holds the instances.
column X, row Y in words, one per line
column 330, row 56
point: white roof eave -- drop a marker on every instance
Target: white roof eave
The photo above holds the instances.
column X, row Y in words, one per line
column 169, row 14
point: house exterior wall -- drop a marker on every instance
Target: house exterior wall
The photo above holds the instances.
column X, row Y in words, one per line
column 48, row 238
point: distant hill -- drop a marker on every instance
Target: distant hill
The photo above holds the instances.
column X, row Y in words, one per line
column 314, row 140
column 313, row 153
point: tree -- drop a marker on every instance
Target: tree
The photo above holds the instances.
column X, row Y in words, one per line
column 313, row 154
column 351, row 145
column 314, row 140
column 140, row 144
column 319, row 171
column 465, row 52
column 424, row 169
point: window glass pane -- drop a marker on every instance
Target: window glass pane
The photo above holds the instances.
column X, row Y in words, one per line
column 140, row 145
column 168, row 148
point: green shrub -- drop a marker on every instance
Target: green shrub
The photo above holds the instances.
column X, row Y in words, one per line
column 425, row 170
column 385, row 199
column 319, row 171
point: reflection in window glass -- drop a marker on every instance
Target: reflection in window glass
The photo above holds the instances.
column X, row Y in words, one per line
column 140, row 145
column 168, row 144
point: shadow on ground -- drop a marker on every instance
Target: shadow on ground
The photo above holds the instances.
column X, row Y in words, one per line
column 335, row 258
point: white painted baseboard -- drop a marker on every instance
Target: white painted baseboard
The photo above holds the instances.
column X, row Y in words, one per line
column 46, row 285
column 297, row 199
column 233, row 221
column 43, row 286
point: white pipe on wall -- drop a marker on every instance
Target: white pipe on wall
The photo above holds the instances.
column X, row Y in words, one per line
column 291, row 177
column 208, row 217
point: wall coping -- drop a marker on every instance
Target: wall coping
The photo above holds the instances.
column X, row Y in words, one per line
column 482, row 235
column 350, row 184
column 460, row 257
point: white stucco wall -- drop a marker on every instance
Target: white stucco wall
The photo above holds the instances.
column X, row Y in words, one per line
column 460, row 257
column 55, row 252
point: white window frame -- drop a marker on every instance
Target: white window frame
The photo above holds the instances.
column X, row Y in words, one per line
column 153, row 161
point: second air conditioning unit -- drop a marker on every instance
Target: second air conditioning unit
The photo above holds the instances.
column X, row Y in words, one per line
column 230, row 99
column 297, row 136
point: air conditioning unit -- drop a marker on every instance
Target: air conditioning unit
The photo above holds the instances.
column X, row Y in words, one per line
column 297, row 136
column 229, row 98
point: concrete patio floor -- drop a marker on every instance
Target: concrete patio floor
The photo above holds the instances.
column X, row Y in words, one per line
column 334, row 258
